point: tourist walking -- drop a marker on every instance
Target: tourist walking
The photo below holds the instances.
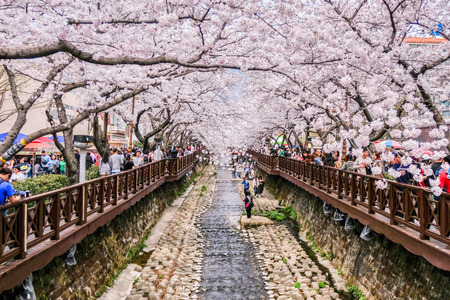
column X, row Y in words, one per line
column 128, row 164
column 248, row 203
column 246, row 185
column 138, row 160
column 348, row 163
column 363, row 163
column 62, row 166
column 105, row 164
column 444, row 177
column 260, row 188
column 116, row 161
column 158, row 154
column 45, row 159
column 38, row 170
column 53, row 165
column 378, row 163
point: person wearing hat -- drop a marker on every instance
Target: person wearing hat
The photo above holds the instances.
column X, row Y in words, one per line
column 45, row 161
column 17, row 175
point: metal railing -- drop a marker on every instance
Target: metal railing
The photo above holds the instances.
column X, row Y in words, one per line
column 410, row 206
column 43, row 217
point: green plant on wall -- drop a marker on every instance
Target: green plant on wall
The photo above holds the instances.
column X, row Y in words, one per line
column 355, row 291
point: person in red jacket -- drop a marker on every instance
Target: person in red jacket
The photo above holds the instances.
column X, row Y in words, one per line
column 444, row 177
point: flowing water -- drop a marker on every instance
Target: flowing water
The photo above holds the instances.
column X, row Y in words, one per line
column 230, row 268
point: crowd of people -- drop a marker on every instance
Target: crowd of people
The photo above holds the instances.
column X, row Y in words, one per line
column 397, row 164
column 110, row 162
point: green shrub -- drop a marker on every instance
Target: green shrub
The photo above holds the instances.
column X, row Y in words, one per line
column 42, row 184
column 322, row 284
column 297, row 285
column 290, row 212
column 274, row 215
column 93, row 172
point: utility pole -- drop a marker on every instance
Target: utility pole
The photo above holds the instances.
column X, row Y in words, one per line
column 130, row 143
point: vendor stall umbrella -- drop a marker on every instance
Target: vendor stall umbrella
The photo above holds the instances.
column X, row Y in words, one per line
column 390, row 144
column 18, row 138
column 59, row 137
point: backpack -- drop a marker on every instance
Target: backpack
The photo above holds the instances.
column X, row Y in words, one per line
column 250, row 202
column 105, row 168
column 55, row 168
column 438, row 171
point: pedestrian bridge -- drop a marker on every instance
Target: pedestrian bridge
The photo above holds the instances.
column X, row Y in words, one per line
column 405, row 214
column 38, row 229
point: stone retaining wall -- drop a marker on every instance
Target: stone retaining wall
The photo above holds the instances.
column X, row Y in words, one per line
column 102, row 254
column 380, row 268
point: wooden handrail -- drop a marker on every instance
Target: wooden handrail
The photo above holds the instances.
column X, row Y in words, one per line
column 42, row 217
column 401, row 204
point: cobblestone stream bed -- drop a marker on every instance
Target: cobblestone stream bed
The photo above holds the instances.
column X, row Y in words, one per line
column 230, row 267
column 202, row 253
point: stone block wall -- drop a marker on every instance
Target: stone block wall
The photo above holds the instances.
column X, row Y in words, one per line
column 380, row 268
column 102, row 254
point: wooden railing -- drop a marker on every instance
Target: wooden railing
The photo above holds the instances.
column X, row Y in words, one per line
column 40, row 218
column 401, row 205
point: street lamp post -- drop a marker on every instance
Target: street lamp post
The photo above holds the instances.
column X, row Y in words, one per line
column 82, row 142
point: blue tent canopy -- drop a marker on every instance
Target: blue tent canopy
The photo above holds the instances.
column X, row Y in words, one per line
column 60, row 138
column 18, row 138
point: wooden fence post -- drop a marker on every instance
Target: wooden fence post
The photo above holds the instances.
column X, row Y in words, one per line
column 56, row 215
column 23, row 230
column 116, row 189
column 392, row 203
column 126, row 186
column 353, row 190
column 371, row 195
column 424, row 215
column 101, row 195
column 328, row 180
column 443, row 216
column 339, row 184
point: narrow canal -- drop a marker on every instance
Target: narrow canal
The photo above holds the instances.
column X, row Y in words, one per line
column 230, row 267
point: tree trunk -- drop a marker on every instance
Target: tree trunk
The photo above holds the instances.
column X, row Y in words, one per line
column 68, row 149
column 69, row 155
column 100, row 135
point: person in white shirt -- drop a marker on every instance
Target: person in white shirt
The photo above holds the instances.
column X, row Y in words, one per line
column 362, row 164
column 116, row 161
column 138, row 160
column 17, row 175
column 158, row 154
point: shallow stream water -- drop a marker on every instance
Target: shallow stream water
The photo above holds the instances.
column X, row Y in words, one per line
column 230, row 268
